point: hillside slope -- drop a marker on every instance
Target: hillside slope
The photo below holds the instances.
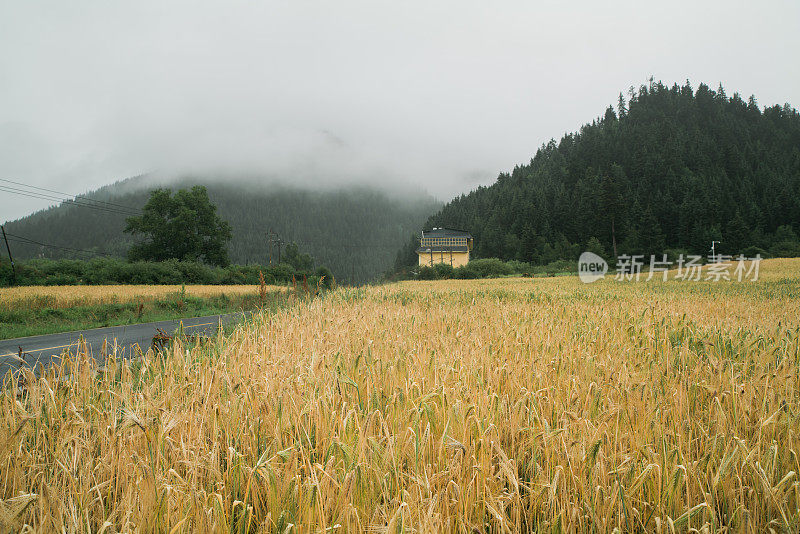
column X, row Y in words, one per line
column 670, row 168
column 354, row 230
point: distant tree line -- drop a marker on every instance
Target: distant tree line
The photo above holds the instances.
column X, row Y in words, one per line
column 669, row 170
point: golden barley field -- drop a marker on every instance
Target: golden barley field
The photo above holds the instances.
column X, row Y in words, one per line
column 511, row 405
column 68, row 296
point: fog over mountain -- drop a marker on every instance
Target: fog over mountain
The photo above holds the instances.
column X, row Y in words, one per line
column 443, row 95
column 354, row 230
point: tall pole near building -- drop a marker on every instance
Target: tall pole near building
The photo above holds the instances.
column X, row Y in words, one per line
column 713, row 255
column 13, row 268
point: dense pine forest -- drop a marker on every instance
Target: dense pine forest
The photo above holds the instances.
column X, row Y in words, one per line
column 355, row 230
column 669, row 168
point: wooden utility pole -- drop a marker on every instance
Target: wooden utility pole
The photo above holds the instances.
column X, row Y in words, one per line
column 13, row 268
column 279, row 242
column 269, row 239
column 274, row 239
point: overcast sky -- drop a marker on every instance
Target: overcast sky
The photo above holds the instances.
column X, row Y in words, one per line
column 443, row 94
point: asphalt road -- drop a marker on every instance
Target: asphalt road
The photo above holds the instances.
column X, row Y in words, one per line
column 48, row 349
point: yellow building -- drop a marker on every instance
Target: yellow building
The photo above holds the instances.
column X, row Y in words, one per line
column 444, row 245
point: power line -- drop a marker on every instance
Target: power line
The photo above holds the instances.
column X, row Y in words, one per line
column 27, row 241
column 75, row 201
column 69, row 249
column 129, row 208
column 43, row 196
column 332, row 244
column 33, row 194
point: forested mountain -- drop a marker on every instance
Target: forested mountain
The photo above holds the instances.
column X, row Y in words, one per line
column 355, row 230
column 671, row 167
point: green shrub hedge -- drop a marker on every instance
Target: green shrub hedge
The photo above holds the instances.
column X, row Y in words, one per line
column 490, row 268
column 102, row 271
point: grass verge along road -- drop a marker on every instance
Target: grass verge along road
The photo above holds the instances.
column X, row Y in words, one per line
column 46, row 310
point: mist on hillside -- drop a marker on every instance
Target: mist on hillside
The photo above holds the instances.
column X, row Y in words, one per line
column 355, row 229
column 321, row 181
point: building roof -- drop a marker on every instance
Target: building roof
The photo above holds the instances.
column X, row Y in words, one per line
column 438, row 249
column 445, row 232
